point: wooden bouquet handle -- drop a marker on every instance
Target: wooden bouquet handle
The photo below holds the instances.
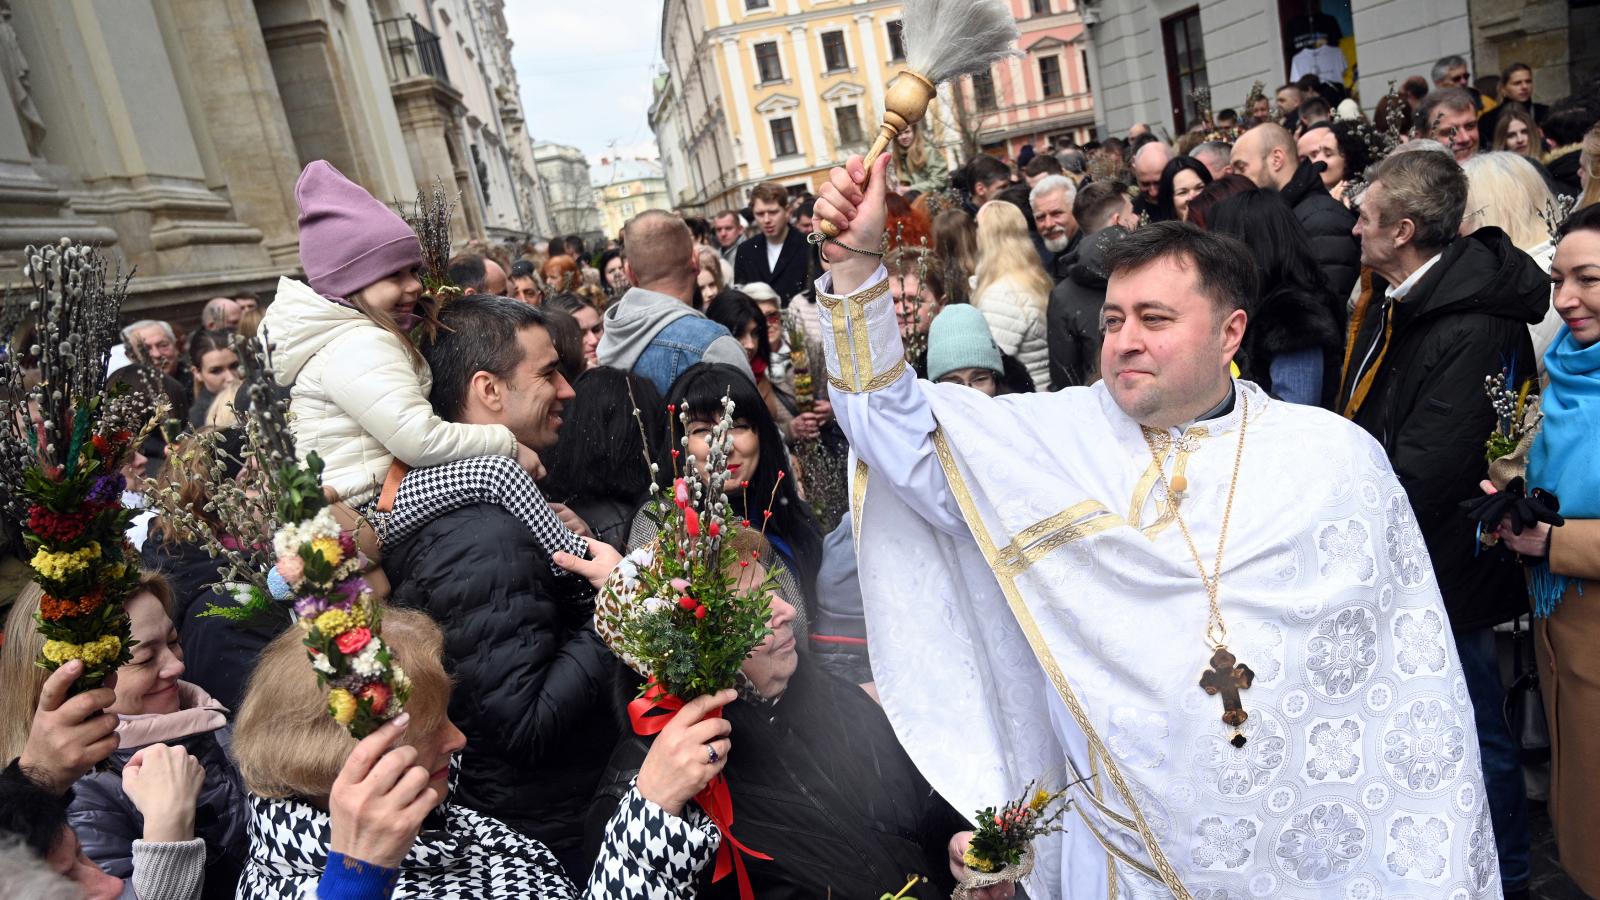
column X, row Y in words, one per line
column 905, row 103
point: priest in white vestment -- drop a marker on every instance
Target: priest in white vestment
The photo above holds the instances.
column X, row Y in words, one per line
column 1033, row 569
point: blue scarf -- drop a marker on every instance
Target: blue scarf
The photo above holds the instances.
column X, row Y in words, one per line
column 1565, row 457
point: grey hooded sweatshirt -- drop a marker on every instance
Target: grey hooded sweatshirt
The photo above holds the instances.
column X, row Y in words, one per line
column 635, row 320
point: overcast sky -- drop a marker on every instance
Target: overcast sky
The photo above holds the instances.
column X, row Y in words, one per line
column 585, row 67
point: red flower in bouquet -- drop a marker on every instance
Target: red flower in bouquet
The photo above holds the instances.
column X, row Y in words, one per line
column 58, row 527
column 352, row 641
column 377, row 694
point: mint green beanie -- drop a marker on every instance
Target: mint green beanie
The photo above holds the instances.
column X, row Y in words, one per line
column 959, row 338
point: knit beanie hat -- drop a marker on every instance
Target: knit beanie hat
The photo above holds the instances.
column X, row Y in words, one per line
column 348, row 239
column 959, row 338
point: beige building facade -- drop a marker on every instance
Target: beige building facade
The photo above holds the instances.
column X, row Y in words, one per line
column 171, row 132
column 782, row 90
column 768, row 90
column 623, row 188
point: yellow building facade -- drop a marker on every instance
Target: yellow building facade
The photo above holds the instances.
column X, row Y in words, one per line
column 768, row 90
column 623, row 188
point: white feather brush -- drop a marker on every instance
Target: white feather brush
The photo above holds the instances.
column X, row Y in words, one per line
column 948, row 38
column 944, row 39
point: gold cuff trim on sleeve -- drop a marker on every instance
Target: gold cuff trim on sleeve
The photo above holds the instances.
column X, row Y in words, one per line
column 852, row 348
column 876, row 384
column 860, row 298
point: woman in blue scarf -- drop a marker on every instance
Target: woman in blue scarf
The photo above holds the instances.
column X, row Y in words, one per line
column 1564, row 583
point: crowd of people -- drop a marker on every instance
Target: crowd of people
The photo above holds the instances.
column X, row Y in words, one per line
column 504, row 444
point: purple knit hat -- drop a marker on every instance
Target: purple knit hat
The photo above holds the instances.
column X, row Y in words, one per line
column 348, row 240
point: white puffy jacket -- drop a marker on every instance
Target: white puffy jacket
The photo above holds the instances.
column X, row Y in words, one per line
column 358, row 398
column 1017, row 322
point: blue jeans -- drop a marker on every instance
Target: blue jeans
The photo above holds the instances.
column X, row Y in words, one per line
column 1502, row 767
column 1297, row 376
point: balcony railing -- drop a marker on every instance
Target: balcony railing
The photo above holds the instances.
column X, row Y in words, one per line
column 413, row 50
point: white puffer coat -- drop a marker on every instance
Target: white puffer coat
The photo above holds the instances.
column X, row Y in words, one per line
column 1017, row 322
column 358, row 398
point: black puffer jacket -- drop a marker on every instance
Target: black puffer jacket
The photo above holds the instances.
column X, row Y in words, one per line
column 1072, row 321
column 820, row 784
column 108, row 823
column 533, row 680
column 609, row 518
column 218, row 654
column 1465, row 320
column 1327, row 223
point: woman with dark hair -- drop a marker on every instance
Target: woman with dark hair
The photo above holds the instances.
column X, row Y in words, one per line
column 1292, row 346
column 590, row 327
column 600, row 468
column 742, row 316
column 1181, row 181
column 1341, row 152
column 215, row 366
column 767, row 484
column 1229, row 185
column 613, row 277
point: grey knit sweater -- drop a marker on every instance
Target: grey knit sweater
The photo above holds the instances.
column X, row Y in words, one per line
column 173, row 870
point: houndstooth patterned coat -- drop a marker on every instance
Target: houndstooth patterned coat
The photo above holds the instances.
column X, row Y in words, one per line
column 647, row 855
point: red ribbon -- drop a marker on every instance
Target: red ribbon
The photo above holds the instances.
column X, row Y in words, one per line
column 651, row 713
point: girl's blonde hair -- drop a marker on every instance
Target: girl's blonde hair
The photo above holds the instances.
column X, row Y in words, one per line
column 426, row 307
column 1589, row 158
column 1506, row 191
column 913, row 158
column 286, row 744
column 20, row 674
column 709, row 261
column 1004, row 251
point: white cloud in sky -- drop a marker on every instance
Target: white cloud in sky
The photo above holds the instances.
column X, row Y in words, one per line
column 585, row 67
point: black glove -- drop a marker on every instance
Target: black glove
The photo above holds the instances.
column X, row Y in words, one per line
column 1514, row 502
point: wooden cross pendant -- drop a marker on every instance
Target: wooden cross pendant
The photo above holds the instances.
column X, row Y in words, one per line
column 1228, row 679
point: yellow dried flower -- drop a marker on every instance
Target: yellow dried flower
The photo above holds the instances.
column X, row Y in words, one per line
column 977, row 863
column 96, row 652
column 341, row 706
column 334, row 622
column 56, row 566
column 1039, row 801
column 329, row 548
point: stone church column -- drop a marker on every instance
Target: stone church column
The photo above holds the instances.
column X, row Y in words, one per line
column 118, row 137
column 235, row 104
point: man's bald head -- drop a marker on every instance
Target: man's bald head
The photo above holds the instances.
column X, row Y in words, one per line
column 1266, row 155
column 660, row 253
column 1148, row 163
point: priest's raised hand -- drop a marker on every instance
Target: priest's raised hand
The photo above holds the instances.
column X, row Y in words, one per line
column 1212, row 607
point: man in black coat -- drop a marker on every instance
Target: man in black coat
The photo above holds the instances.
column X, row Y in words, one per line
column 777, row 256
column 532, row 679
column 1072, row 321
column 1443, row 314
column 1267, row 155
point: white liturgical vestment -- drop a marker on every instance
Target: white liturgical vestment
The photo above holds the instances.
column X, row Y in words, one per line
column 1034, row 612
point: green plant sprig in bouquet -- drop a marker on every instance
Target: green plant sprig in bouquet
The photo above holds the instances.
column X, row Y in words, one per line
column 63, row 443
column 1516, row 413
column 1001, row 848
column 679, row 611
column 317, row 567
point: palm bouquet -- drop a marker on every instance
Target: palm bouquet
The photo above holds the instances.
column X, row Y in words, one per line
column 683, row 611
column 1002, row 844
column 63, row 444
